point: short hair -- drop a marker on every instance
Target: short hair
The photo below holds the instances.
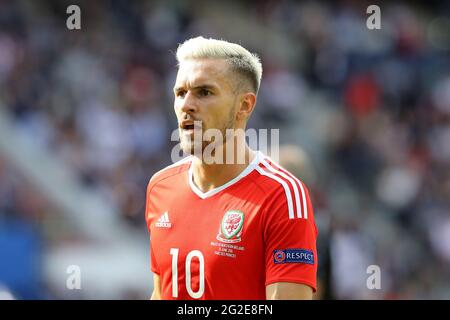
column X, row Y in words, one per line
column 242, row 61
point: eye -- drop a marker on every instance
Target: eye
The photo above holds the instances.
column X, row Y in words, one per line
column 204, row 92
column 180, row 93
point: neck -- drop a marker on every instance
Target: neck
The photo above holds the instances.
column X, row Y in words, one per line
column 210, row 176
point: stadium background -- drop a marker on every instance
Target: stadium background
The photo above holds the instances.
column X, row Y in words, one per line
column 86, row 118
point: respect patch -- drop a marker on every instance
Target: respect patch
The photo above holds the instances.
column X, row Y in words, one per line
column 293, row 256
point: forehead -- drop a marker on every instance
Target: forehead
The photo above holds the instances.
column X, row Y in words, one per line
column 194, row 72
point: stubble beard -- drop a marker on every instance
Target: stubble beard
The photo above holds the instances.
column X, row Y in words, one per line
column 196, row 146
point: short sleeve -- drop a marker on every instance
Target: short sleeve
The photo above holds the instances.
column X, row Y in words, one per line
column 153, row 263
column 147, row 205
column 290, row 242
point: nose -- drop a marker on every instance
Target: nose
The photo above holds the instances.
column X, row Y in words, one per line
column 188, row 103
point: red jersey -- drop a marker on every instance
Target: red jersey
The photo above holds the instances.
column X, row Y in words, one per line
column 232, row 241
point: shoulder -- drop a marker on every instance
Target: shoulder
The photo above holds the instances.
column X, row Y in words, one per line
column 282, row 188
column 177, row 168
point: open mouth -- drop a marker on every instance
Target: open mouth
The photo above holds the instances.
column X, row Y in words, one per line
column 189, row 125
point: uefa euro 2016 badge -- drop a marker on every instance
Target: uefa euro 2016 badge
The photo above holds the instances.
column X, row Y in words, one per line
column 231, row 227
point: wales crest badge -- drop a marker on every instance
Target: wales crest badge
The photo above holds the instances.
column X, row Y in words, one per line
column 231, row 227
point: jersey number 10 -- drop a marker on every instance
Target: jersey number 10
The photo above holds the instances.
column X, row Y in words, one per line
column 201, row 259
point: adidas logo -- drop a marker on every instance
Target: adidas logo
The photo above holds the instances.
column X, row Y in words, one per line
column 163, row 221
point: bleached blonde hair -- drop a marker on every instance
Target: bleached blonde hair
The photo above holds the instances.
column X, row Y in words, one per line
column 242, row 61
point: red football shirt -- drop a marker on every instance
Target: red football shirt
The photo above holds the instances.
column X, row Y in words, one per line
column 232, row 241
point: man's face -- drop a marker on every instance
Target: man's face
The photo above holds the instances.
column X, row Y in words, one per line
column 204, row 91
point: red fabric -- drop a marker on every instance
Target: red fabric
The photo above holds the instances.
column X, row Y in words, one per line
column 240, row 269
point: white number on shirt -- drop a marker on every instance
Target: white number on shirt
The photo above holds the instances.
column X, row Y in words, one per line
column 201, row 259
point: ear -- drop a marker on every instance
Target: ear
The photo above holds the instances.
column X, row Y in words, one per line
column 246, row 105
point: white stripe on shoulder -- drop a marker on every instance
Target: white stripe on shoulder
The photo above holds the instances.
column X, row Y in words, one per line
column 285, row 186
column 176, row 164
column 305, row 204
column 285, row 176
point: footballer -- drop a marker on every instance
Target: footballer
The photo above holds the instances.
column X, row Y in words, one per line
column 231, row 229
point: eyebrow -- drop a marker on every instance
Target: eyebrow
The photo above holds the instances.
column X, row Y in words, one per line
column 202, row 86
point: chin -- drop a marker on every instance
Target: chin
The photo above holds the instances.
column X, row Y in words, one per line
column 187, row 148
column 190, row 149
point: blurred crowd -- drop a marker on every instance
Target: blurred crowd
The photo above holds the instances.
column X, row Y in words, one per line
column 368, row 109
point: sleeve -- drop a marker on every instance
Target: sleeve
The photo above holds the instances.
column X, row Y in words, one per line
column 290, row 243
column 153, row 263
column 148, row 218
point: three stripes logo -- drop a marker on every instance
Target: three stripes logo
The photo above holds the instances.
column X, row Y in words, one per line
column 163, row 221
